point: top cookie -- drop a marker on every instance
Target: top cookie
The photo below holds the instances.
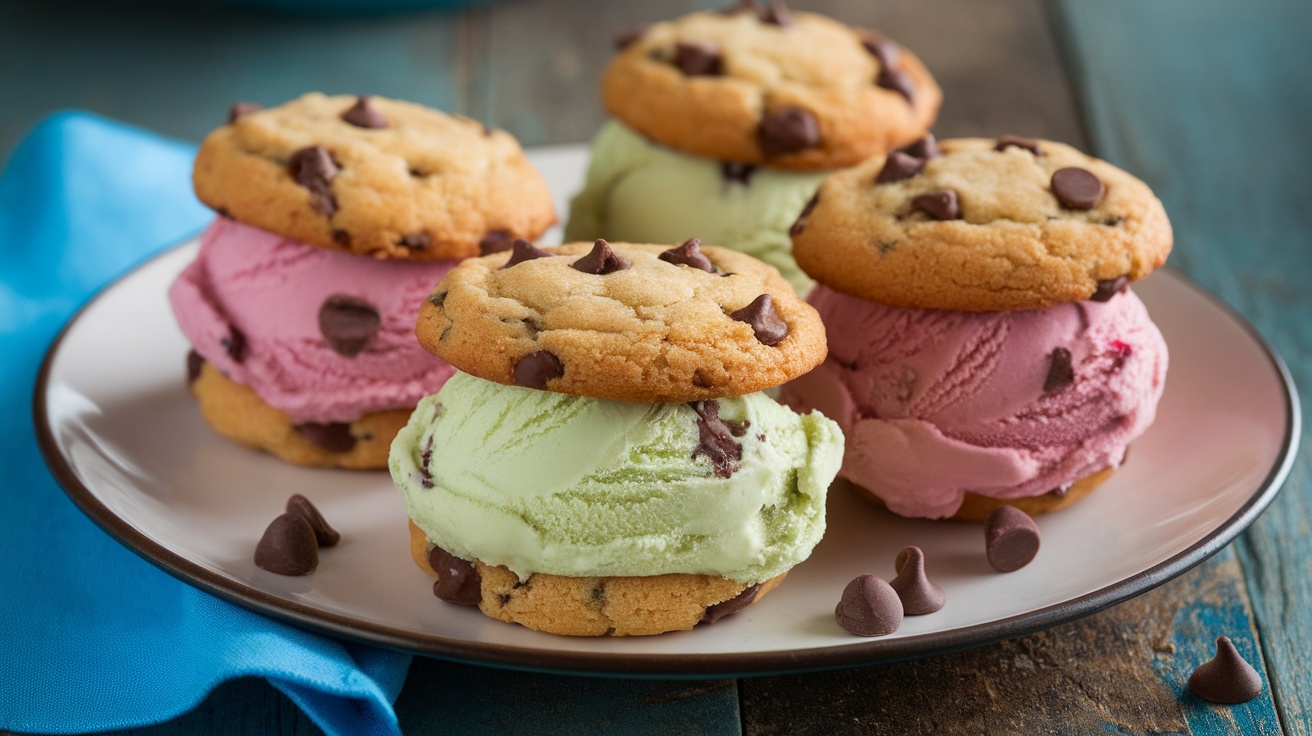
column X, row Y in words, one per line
column 621, row 321
column 373, row 176
column 980, row 224
column 766, row 86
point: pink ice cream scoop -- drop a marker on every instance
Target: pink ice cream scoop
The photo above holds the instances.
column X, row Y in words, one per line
column 322, row 335
column 935, row 404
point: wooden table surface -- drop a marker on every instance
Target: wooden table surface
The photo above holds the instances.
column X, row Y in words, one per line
column 1209, row 101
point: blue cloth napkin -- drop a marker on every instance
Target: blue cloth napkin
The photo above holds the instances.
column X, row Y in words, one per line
column 92, row 637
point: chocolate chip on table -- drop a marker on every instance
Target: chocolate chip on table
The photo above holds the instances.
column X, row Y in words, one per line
column 869, row 607
column 1110, row 288
column 884, row 49
column 327, row 436
column 601, row 260
column 1029, row 144
column 521, row 250
column 313, row 168
column 786, row 130
column 458, row 580
column 1227, row 678
column 625, row 39
column 898, row 166
column 1060, row 371
column 235, row 344
column 495, row 241
column 717, row 611
column 194, row 364
column 242, row 109
column 348, row 323
column 688, row 254
column 414, row 241
column 1076, row 188
column 288, row 547
column 769, row 327
column 919, row 596
column 1011, row 538
column 800, row 224
column 363, row 114
column 324, row 534
column 715, row 439
column 940, row 205
column 776, row 13
column 537, row 368
column 698, row 59
column 736, row 173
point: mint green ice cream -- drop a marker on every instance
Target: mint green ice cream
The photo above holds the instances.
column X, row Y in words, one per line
column 638, row 191
column 578, row 486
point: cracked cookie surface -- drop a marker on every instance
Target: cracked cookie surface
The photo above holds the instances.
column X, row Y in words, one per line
column 976, row 228
column 761, row 86
column 380, row 177
column 661, row 328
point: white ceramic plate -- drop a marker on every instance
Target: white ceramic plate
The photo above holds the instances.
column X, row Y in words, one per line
column 123, row 436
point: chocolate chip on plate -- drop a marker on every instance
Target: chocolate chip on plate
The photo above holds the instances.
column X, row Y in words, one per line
column 715, row 439
column 1227, row 678
column 601, row 260
column 717, row 611
column 688, row 254
column 919, row 596
column 1076, row 188
column 698, row 59
column 769, row 327
column 458, row 580
column 940, row 205
column 324, row 534
column 869, row 607
column 537, row 368
column 1011, row 539
column 327, row 436
column 1060, row 371
column 786, row 130
column 348, row 323
column 313, row 167
column 288, row 547
column 363, row 114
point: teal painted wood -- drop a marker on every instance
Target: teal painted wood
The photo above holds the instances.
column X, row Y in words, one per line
column 247, row 706
column 1209, row 102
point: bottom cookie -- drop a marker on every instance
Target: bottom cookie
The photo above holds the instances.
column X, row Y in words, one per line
column 602, row 606
column 238, row 413
column 977, row 508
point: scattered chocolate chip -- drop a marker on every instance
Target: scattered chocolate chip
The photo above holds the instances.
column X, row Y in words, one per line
column 869, row 607
column 898, row 166
column 800, row 224
column 1011, row 538
column 940, row 205
column 328, row 436
column 341, row 237
column 897, row 81
column 194, row 363
column 764, row 319
column 235, row 344
column 926, row 147
column 348, row 323
column 414, row 241
column 918, row 595
column 521, row 250
column 715, row 439
column 735, row 173
column 495, row 241
column 363, row 114
column 1076, row 188
column 776, row 13
column 288, row 547
column 1029, row 144
column 1060, row 371
column 625, row 39
column 313, row 168
column 241, row 110
column 1227, row 678
column 1109, row 288
column 601, row 260
column 324, row 535
column 883, row 49
column 698, row 59
column 688, row 254
column 786, row 130
column 717, row 611
column 458, row 580
column 536, row 369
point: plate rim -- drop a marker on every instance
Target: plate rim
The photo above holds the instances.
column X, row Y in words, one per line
column 656, row 665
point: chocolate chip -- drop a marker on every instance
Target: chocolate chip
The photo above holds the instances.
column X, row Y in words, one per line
column 776, row 13
column 625, row 39
column 1060, row 372
column 698, row 59
column 313, row 168
column 883, row 49
column 288, row 547
column 241, row 110
column 495, row 241
column 235, row 344
column 348, row 323
column 363, row 114
column 926, row 147
column 738, row 428
column 426, row 459
column 1227, row 678
column 787, row 130
column 896, row 80
column 458, row 580
column 521, row 250
column 324, row 534
column 329, row 436
column 869, row 607
column 769, row 327
column 918, row 595
column 414, row 241
column 194, row 364
column 536, row 369
column 224, row 213
column 717, row 611
column 438, row 298
column 1011, row 538
column 1110, row 288
column 940, row 205
column 341, row 237
column 1076, row 188
column 1029, row 144
column 688, row 254
column 735, row 173
column 898, row 166
column 601, row 260
column 800, row 224
column 715, row 439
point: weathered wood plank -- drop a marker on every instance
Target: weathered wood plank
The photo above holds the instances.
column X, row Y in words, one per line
column 241, row 707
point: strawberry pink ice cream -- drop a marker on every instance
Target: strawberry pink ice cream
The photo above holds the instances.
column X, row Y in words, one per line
column 297, row 323
column 1004, row 404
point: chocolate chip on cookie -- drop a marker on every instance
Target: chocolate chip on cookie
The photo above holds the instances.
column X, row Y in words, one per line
column 698, row 59
column 787, row 130
column 242, row 109
column 766, row 323
column 688, row 254
column 458, row 581
column 940, row 205
column 363, row 114
column 601, row 260
column 1029, row 144
column 1077, row 188
column 327, row 436
column 522, row 250
column 314, row 169
column 537, row 369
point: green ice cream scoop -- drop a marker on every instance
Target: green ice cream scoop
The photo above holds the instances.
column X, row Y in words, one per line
column 641, row 192
column 577, row 486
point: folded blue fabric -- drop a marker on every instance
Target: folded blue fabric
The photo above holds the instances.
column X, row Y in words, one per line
column 92, row 637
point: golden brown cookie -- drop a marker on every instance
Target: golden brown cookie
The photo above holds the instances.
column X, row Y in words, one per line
column 238, row 413
column 982, row 224
column 592, row 606
column 621, row 321
column 762, row 85
column 373, row 176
